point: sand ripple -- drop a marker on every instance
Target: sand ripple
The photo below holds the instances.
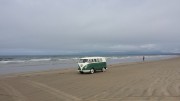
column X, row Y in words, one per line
column 148, row 81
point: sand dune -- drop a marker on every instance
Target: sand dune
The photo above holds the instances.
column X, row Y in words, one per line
column 143, row 81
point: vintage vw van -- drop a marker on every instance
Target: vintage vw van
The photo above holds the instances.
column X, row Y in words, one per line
column 92, row 64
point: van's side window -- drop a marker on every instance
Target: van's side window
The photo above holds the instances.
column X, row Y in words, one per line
column 89, row 60
column 100, row 60
column 94, row 60
column 85, row 60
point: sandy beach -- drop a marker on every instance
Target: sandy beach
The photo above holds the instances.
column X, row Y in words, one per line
column 142, row 81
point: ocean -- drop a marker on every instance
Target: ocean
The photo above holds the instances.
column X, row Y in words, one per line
column 19, row 64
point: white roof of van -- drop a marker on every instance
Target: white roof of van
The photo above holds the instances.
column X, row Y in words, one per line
column 92, row 57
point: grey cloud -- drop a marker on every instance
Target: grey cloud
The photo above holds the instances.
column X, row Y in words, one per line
column 68, row 25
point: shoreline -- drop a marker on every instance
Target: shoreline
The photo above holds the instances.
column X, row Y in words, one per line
column 31, row 64
column 62, row 70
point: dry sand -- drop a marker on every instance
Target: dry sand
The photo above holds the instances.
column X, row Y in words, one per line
column 143, row 81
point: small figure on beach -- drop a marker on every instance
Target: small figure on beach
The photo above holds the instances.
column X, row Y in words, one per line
column 143, row 58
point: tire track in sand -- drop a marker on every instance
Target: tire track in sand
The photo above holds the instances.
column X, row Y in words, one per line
column 59, row 94
column 15, row 94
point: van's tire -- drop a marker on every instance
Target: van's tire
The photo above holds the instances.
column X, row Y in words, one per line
column 92, row 71
column 81, row 72
column 103, row 69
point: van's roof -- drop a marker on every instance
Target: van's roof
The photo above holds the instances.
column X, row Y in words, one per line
column 92, row 57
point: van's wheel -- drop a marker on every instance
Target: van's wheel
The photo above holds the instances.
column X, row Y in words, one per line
column 103, row 69
column 92, row 71
column 81, row 72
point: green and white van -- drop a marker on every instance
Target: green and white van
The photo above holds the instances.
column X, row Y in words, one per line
column 92, row 64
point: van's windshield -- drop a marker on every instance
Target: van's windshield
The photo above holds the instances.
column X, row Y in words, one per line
column 83, row 60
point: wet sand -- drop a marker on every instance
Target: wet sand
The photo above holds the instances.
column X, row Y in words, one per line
column 142, row 81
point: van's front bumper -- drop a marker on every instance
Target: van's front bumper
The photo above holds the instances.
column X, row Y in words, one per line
column 84, row 71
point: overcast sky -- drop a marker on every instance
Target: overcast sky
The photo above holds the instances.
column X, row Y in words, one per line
column 70, row 26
